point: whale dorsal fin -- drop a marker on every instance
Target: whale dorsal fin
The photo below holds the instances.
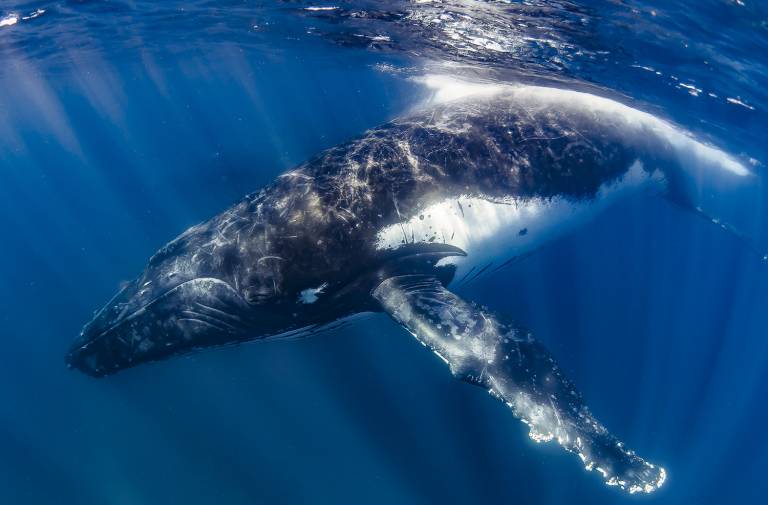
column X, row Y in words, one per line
column 491, row 352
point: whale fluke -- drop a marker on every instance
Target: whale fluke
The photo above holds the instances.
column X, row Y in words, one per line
column 489, row 351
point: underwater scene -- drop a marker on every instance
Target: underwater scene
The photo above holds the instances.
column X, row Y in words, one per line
column 383, row 252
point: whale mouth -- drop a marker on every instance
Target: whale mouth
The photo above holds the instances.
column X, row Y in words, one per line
column 195, row 314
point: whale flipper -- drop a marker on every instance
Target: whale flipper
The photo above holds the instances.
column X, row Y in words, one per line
column 486, row 350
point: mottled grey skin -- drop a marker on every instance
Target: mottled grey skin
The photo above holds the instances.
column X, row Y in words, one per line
column 304, row 253
column 317, row 224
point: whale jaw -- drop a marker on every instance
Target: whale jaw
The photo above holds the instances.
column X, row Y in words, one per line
column 196, row 314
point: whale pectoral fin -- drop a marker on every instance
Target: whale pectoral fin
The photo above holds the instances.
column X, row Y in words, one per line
column 486, row 350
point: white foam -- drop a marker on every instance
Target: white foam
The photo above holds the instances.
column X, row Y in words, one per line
column 447, row 88
column 736, row 101
column 34, row 14
column 321, row 8
column 9, row 20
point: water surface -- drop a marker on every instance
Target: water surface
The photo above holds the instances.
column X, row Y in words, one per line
column 122, row 123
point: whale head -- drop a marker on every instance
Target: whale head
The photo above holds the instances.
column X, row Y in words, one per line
column 186, row 299
column 192, row 297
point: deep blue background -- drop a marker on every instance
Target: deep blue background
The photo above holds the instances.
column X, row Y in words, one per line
column 658, row 316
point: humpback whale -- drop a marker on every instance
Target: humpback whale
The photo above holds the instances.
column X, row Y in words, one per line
column 393, row 221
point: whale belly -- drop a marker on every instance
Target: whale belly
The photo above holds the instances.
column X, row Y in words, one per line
column 495, row 232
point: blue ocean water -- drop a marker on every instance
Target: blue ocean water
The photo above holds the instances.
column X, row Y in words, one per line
column 122, row 123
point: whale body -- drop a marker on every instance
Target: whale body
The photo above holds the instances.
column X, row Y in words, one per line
column 391, row 221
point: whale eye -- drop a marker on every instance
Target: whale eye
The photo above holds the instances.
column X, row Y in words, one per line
column 263, row 280
column 258, row 295
column 262, row 286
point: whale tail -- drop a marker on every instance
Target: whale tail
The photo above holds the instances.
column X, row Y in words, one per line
column 749, row 243
column 721, row 190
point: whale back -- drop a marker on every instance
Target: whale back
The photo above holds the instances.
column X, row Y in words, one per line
column 321, row 223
